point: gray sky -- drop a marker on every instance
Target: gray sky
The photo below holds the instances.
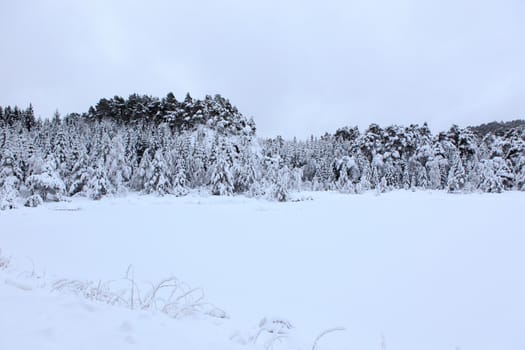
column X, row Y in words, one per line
column 297, row 67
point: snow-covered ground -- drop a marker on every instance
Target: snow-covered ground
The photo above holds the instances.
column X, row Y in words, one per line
column 404, row 270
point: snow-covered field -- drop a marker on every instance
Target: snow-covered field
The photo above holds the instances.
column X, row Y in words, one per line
column 404, row 270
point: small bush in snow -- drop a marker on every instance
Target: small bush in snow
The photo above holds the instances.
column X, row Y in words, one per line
column 34, row 201
column 46, row 185
column 8, row 193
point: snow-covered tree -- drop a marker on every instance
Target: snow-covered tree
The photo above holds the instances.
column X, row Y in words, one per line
column 246, row 171
column 98, row 184
column 281, row 190
column 456, row 176
column 376, row 170
column 47, row 182
column 118, row 170
column 434, row 174
column 221, row 177
column 180, row 178
column 143, row 172
column 80, row 171
column 347, row 173
column 8, row 192
column 490, row 181
column 365, row 182
column 157, row 178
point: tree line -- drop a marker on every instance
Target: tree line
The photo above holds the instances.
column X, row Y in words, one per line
column 165, row 146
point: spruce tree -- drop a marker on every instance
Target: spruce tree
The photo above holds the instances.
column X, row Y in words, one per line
column 456, row 176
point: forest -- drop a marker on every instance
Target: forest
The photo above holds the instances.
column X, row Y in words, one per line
column 166, row 146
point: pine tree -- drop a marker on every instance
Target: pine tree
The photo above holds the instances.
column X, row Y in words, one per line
column 80, row 172
column 456, row 176
column 179, row 179
column 221, row 177
column 9, row 179
column 29, row 118
column 98, row 184
column 390, row 174
column 143, row 172
column 376, row 170
column 366, row 175
column 246, row 172
column 157, row 179
column 119, row 172
column 503, row 172
column 434, row 175
column 8, row 192
column 490, row 182
column 281, row 188
column 345, row 168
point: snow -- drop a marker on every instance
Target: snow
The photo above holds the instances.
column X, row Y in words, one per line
column 408, row 269
column 38, row 320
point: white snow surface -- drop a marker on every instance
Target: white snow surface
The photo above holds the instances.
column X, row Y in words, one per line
column 403, row 270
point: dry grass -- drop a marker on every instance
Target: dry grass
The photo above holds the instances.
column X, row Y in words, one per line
column 169, row 296
column 324, row 333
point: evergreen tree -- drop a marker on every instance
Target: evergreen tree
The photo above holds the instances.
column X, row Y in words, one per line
column 8, row 192
column 456, row 177
column 434, row 174
column 376, row 173
column 179, row 180
column 118, row 170
column 98, row 184
column 9, row 179
column 280, row 191
column 46, row 182
column 80, row 172
column 490, row 182
column 143, row 172
column 157, row 179
column 222, row 183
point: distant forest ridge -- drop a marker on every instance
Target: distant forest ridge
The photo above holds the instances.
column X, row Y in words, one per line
column 498, row 128
column 166, row 146
column 216, row 112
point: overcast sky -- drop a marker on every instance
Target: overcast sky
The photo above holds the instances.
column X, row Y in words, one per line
column 297, row 67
